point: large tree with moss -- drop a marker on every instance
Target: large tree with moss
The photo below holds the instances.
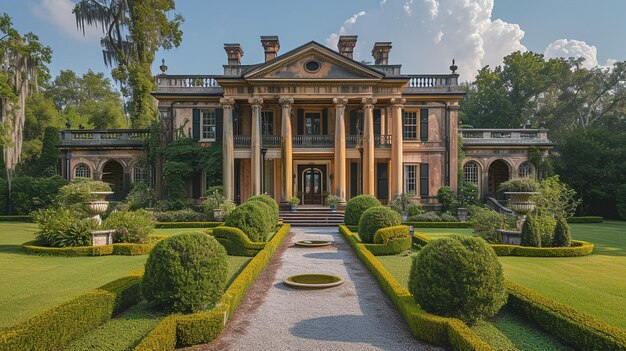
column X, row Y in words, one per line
column 134, row 30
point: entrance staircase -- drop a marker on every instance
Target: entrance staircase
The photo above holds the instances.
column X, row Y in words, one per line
column 312, row 216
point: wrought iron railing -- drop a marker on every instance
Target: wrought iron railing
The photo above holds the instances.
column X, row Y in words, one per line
column 313, row 141
column 241, row 140
column 269, row 141
column 353, row 140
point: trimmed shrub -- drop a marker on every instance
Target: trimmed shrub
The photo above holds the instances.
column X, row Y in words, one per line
column 446, row 197
column 32, row 248
column 184, row 215
column 169, row 225
column 486, row 222
column 544, row 225
column 448, row 217
column 426, row 217
column 269, row 212
column 458, row 277
column 18, row 218
column 356, row 206
column 376, row 218
column 390, row 241
column 236, row 242
column 185, row 273
column 530, row 236
column 252, row 218
column 585, row 219
column 562, row 236
column 383, row 235
column 268, row 201
column 620, row 201
column 130, row 227
column 577, row 248
column 439, row 224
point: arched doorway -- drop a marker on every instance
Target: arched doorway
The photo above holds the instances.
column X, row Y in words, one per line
column 498, row 173
column 311, row 184
column 113, row 174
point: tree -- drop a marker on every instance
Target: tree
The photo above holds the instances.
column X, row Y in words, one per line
column 134, row 31
column 530, row 236
column 48, row 164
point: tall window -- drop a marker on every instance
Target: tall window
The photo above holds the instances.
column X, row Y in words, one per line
column 139, row 174
column 268, row 177
column 313, row 124
column 409, row 121
column 356, row 122
column 267, row 123
column 82, row 171
column 424, row 186
column 470, row 172
column 424, row 124
column 525, row 170
column 208, row 124
column 410, row 179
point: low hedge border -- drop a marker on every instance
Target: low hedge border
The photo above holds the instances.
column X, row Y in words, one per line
column 174, row 225
column 59, row 326
column 573, row 327
column 424, row 326
column 578, row 248
column 122, row 249
column 236, row 242
column 439, row 224
column 398, row 240
column 17, row 218
column 203, row 327
column 586, row 219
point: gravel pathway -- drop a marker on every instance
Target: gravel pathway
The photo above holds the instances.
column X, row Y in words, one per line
column 354, row 316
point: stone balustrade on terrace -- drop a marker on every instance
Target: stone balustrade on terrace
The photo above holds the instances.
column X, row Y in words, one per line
column 505, row 136
column 103, row 138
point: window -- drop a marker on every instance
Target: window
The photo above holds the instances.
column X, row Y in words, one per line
column 424, row 186
column 525, row 170
column 470, row 172
column 267, row 123
column 356, row 122
column 409, row 120
column 410, row 179
column 208, row 124
column 268, row 177
column 424, row 124
column 82, row 171
column 139, row 174
column 313, row 124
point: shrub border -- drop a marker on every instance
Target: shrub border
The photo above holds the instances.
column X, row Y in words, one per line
column 439, row 224
column 203, row 327
column 122, row 249
column 585, row 219
column 174, row 225
column 236, row 242
column 57, row 327
column 423, row 325
column 17, row 218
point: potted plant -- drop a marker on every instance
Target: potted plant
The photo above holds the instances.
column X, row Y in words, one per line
column 520, row 190
column 294, row 201
column 333, row 201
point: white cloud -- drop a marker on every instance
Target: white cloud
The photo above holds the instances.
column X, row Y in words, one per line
column 573, row 48
column 59, row 13
column 428, row 34
column 345, row 28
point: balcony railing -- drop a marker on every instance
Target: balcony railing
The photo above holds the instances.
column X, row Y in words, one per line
column 186, row 81
column 241, row 140
column 104, row 137
column 313, row 141
column 505, row 136
column 382, row 141
column 269, row 141
column 432, row 82
column 353, row 140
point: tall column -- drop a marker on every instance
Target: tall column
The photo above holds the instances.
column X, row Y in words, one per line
column 340, row 148
column 396, row 145
column 228, row 149
column 286, row 151
column 255, row 144
column 454, row 144
column 368, row 145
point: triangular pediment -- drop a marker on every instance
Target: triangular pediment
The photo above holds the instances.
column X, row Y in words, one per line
column 313, row 61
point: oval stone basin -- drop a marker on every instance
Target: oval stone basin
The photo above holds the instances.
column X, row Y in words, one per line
column 313, row 243
column 313, row 281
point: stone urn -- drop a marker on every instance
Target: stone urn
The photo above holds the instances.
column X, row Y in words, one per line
column 218, row 214
column 521, row 204
column 98, row 206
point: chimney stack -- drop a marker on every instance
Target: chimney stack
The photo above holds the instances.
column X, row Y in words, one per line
column 380, row 52
column 271, row 45
column 234, row 52
column 346, row 45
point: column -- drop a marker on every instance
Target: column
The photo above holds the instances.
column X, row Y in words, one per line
column 454, row 146
column 255, row 144
column 228, row 149
column 340, row 148
column 397, row 172
column 368, row 145
column 286, row 151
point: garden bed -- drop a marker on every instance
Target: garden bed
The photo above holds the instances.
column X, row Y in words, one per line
column 122, row 249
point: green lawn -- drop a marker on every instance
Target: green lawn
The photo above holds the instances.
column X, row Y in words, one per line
column 31, row 284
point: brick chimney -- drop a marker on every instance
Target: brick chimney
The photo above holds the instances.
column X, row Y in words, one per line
column 234, row 52
column 346, row 45
column 271, row 45
column 380, row 52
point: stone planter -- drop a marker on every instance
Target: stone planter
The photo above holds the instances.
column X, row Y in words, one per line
column 512, row 237
column 520, row 201
column 218, row 214
column 333, row 208
column 98, row 206
column 461, row 214
column 102, row 237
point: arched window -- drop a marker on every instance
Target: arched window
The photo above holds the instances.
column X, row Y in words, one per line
column 82, row 171
column 470, row 172
column 139, row 174
column 526, row 170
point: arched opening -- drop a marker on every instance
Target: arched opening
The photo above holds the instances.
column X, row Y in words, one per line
column 498, row 173
column 312, row 186
column 113, row 174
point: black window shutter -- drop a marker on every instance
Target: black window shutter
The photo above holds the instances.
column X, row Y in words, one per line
column 423, row 179
column 353, row 122
column 219, row 124
column 424, row 124
column 300, row 121
column 195, row 185
column 325, row 121
column 377, row 118
column 195, row 124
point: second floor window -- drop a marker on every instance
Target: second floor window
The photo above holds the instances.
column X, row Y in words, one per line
column 267, row 123
column 208, row 124
column 409, row 125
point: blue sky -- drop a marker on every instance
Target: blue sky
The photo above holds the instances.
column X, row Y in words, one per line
column 426, row 34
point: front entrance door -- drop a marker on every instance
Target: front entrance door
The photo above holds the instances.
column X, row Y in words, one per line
column 311, row 184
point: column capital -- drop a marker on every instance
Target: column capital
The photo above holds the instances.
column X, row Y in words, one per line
column 398, row 102
column 285, row 101
column 368, row 102
column 341, row 101
column 255, row 101
column 227, row 102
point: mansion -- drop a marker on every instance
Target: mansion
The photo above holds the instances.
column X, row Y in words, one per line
column 312, row 122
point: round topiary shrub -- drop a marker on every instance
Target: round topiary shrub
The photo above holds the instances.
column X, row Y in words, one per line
column 376, row 218
column 185, row 273
column 356, row 206
column 266, row 199
column 458, row 277
column 253, row 218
